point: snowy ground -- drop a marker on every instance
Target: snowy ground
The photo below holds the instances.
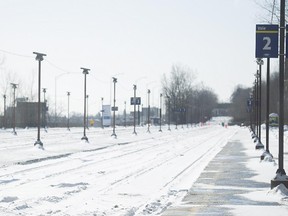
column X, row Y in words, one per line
column 130, row 175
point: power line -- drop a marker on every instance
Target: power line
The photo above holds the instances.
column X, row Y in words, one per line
column 16, row 54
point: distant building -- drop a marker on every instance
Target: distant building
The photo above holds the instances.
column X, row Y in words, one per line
column 26, row 114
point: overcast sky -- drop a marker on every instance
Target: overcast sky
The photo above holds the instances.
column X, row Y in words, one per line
column 136, row 41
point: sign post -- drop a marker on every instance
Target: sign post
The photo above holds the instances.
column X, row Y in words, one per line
column 266, row 41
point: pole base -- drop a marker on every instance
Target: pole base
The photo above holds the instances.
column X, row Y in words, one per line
column 259, row 145
column 39, row 144
column 279, row 179
column 135, row 133
column 14, row 133
column 267, row 156
column 114, row 135
column 85, row 138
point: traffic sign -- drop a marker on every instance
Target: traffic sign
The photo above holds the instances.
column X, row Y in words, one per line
column 114, row 108
column 137, row 99
column 266, row 41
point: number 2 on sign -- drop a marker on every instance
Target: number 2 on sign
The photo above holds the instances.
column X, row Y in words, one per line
column 267, row 43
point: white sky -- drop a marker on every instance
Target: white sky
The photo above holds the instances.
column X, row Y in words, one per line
column 135, row 40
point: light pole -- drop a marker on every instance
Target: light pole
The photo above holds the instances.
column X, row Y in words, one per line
column 124, row 113
column 85, row 72
column 114, row 108
column 14, row 86
column 160, row 130
column 259, row 144
column 55, row 113
column 39, row 58
column 68, row 117
column 267, row 153
column 148, row 116
column 280, row 173
column 4, row 120
column 102, row 112
column 134, row 102
column 168, row 113
column 87, row 121
column 44, row 92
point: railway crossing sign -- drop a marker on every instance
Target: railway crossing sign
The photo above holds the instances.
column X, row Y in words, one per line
column 266, row 41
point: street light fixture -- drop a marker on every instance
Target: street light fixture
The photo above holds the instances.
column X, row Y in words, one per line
column 39, row 58
column 14, row 86
column 85, row 72
column 114, row 107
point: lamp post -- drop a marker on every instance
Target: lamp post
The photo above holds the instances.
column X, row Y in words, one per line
column 85, row 72
column 14, row 86
column 87, row 119
column 55, row 112
column 39, row 58
column 124, row 113
column 168, row 113
column 267, row 153
column 259, row 144
column 102, row 112
column 114, row 108
column 68, row 117
column 44, row 93
column 160, row 130
column 134, row 102
column 148, row 116
column 4, row 120
column 280, row 173
column 44, row 90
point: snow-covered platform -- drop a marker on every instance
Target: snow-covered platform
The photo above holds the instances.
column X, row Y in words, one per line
column 235, row 182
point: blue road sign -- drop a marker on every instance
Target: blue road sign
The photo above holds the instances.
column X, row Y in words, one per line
column 266, row 41
column 138, row 101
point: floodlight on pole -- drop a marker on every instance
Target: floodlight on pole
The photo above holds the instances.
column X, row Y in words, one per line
column 39, row 58
column 85, row 72
column 114, row 107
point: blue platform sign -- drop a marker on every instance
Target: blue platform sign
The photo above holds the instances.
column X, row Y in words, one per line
column 266, row 41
